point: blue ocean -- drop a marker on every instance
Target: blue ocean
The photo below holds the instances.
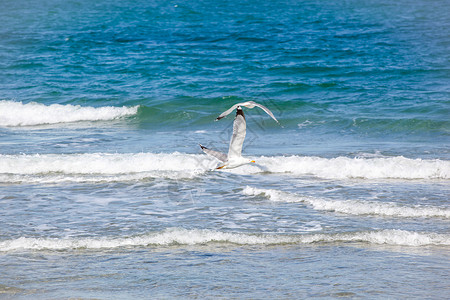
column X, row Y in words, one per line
column 106, row 194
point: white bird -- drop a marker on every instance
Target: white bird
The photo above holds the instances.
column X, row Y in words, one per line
column 248, row 104
column 234, row 158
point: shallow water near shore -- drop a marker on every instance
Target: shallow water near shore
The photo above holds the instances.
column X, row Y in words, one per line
column 105, row 192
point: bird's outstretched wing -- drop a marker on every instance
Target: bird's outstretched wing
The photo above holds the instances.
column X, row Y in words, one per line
column 239, row 131
column 248, row 104
column 253, row 104
column 227, row 112
column 219, row 155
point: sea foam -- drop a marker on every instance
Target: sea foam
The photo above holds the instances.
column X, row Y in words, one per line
column 353, row 207
column 397, row 167
column 135, row 166
column 14, row 113
column 180, row 236
column 94, row 167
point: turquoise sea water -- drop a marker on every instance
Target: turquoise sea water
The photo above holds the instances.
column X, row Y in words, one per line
column 106, row 194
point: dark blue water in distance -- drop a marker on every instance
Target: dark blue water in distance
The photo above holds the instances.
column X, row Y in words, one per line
column 105, row 193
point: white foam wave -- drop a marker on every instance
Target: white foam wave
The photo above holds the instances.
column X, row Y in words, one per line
column 353, row 207
column 397, row 167
column 14, row 113
column 94, row 167
column 177, row 236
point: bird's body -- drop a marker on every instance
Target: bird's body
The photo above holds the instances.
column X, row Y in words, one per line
column 234, row 157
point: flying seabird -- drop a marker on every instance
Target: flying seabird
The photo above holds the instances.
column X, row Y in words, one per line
column 234, row 158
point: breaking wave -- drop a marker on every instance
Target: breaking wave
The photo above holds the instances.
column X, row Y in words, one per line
column 353, row 207
column 94, row 167
column 179, row 236
column 397, row 167
column 14, row 113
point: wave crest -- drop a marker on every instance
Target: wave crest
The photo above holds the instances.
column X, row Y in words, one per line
column 13, row 114
column 135, row 166
column 352, row 207
column 179, row 236
column 397, row 167
column 94, row 167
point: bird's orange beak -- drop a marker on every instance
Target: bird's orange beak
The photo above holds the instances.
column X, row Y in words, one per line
column 253, row 161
